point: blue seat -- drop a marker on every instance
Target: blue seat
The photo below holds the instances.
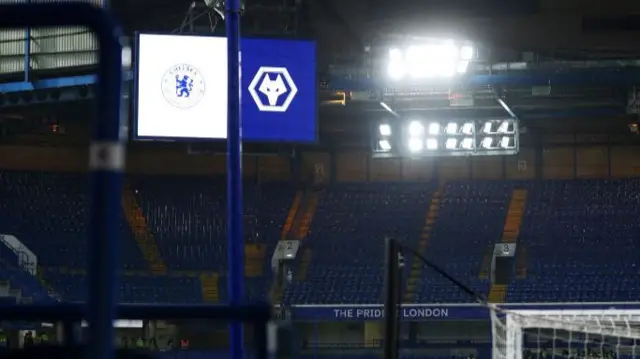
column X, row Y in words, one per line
column 347, row 240
column 580, row 237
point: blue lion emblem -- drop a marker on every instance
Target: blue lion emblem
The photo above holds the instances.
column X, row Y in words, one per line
column 184, row 86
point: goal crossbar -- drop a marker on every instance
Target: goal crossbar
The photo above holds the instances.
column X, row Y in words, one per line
column 508, row 326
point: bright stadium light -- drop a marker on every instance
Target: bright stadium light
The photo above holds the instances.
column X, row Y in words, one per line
column 385, row 145
column 416, row 129
column 505, row 127
column 462, row 67
column 434, row 128
column 432, row 59
column 385, row 130
column 451, row 143
column 487, row 142
column 432, row 144
column 452, row 128
column 498, row 127
column 467, row 143
column 415, row 145
column 506, row 142
column 447, row 137
column 396, row 64
column 466, row 53
column 467, row 129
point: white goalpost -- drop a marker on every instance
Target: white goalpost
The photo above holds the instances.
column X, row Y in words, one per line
column 571, row 333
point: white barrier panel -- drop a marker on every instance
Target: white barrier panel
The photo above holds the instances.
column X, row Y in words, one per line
column 27, row 260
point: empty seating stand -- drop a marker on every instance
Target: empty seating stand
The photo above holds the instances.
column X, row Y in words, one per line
column 347, row 240
column 49, row 213
column 471, row 217
column 582, row 241
column 580, row 237
column 188, row 217
column 133, row 288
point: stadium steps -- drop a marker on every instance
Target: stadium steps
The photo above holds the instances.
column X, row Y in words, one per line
column 288, row 223
column 307, row 210
column 497, row 293
column 276, row 291
column 144, row 238
column 521, row 262
column 485, row 267
column 254, row 258
column 304, row 265
column 514, row 216
column 416, row 265
column 209, row 282
column 50, row 290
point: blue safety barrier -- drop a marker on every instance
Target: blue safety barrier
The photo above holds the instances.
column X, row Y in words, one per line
column 106, row 154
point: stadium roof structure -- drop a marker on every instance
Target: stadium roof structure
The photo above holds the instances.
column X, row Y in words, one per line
column 547, row 60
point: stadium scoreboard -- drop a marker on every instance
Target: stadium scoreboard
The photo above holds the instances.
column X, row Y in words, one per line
column 181, row 89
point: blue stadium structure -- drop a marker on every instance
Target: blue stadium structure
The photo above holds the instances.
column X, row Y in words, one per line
column 173, row 249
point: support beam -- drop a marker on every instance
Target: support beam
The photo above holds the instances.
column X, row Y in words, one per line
column 392, row 299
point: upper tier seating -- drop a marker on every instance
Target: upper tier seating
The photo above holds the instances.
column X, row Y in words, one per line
column 347, row 240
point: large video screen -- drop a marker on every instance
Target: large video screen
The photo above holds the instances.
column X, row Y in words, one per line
column 181, row 89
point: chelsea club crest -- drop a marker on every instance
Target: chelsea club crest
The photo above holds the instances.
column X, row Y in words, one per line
column 182, row 86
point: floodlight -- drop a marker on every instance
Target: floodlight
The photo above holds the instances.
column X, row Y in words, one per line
column 449, row 51
column 446, row 137
column 416, row 129
column 505, row 127
column 467, row 128
column 487, row 142
column 487, row 127
column 396, row 67
column 385, row 130
column 384, row 145
column 395, row 54
column 434, row 128
column 414, row 61
column 462, row 67
column 466, row 53
column 430, row 60
column 415, row 145
column 452, row 128
column 507, row 142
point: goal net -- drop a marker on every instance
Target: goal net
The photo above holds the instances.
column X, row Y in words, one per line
column 571, row 334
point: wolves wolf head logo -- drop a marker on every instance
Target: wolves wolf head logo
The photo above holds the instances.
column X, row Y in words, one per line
column 273, row 89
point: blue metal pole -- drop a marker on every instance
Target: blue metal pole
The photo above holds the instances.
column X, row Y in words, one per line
column 106, row 157
column 235, row 242
column 106, row 166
